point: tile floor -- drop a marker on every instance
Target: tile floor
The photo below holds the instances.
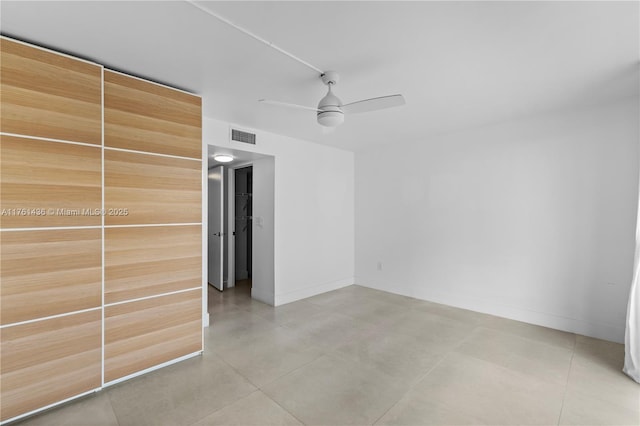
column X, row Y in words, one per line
column 361, row 356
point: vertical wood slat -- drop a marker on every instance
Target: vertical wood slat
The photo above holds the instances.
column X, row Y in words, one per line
column 148, row 261
column 152, row 189
column 142, row 334
column 49, row 95
column 49, row 272
column 47, row 361
column 46, row 184
column 143, row 116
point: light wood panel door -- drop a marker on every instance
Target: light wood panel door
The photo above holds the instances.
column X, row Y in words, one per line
column 49, row 95
column 47, row 361
column 143, row 116
column 55, row 173
column 142, row 334
column 45, row 184
column 49, row 272
column 149, row 261
column 152, row 189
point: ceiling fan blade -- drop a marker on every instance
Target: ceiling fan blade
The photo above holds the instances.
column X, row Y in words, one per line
column 286, row 104
column 373, row 104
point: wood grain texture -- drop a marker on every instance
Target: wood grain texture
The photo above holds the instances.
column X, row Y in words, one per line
column 49, row 95
column 153, row 189
column 63, row 179
column 45, row 273
column 47, row 361
column 139, row 335
column 149, row 261
column 144, row 116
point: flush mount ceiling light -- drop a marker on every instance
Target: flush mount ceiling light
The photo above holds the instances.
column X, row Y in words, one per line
column 223, row 158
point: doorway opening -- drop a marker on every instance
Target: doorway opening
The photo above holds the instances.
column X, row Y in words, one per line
column 243, row 199
column 240, row 234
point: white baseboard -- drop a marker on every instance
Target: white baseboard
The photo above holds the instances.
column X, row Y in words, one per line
column 303, row 293
column 558, row 322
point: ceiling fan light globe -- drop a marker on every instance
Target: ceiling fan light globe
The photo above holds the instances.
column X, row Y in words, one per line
column 331, row 118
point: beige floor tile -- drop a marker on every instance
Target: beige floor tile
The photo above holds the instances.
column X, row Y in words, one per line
column 370, row 310
column 249, row 303
column 531, row 331
column 292, row 312
column 599, row 351
column 256, row 409
column 414, row 409
column 437, row 332
column 331, row 298
column 330, row 330
column 228, row 296
column 469, row 317
column 93, row 410
column 235, row 328
column 270, row 355
column 527, row 356
column 490, row 393
column 579, row 409
column 398, row 355
column 218, row 312
column 602, row 379
column 179, row 394
column 374, row 294
column 333, row 391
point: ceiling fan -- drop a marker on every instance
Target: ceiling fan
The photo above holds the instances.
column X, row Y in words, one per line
column 330, row 110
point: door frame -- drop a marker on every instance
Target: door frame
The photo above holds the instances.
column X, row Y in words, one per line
column 231, row 231
column 221, row 242
column 231, row 222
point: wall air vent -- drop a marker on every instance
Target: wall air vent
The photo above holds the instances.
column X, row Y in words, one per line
column 244, row 137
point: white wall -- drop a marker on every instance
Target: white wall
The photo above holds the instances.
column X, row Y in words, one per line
column 313, row 211
column 263, row 268
column 531, row 220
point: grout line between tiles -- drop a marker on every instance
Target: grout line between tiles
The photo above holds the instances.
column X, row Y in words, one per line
column 566, row 384
column 414, row 385
column 108, row 393
column 279, row 405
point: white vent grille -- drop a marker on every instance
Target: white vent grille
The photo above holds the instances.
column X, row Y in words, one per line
column 244, row 137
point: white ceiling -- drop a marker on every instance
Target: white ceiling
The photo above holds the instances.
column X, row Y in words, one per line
column 458, row 64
